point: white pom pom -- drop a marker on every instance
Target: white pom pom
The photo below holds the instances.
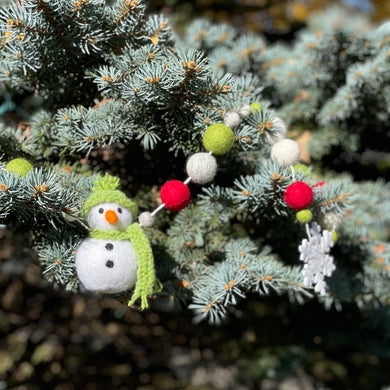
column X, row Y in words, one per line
column 231, row 119
column 146, row 219
column 286, row 152
column 331, row 220
column 279, row 132
column 201, row 167
column 244, row 110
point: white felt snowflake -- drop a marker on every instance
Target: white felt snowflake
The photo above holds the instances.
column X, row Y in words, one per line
column 314, row 252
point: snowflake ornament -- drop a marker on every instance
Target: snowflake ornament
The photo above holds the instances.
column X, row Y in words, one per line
column 314, row 252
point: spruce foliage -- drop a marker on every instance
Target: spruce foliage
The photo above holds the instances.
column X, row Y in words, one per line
column 119, row 90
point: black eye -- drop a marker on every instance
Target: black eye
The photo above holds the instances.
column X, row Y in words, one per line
column 119, row 210
column 101, row 210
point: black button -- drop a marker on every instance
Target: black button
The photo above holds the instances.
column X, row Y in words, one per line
column 109, row 246
column 109, row 264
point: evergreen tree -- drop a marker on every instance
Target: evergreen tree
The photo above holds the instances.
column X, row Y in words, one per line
column 118, row 91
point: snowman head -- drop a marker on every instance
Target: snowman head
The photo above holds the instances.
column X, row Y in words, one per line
column 107, row 208
column 109, row 216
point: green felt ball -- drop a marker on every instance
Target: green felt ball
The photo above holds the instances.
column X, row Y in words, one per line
column 335, row 236
column 302, row 168
column 255, row 107
column 19, row 166
column 218, row 138
column 304, row 216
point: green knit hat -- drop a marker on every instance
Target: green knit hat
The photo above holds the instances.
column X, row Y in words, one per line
column 105, row 191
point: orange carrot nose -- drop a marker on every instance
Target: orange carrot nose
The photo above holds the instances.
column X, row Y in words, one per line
column 111, row 216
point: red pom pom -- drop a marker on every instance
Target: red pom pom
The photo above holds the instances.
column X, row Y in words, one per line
column 175, row 195
column 298, row 195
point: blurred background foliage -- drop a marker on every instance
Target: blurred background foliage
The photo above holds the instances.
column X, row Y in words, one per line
column 56, row 340
column 275, row 19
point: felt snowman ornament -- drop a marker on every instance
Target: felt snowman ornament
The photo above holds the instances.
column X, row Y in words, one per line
column 117, row 255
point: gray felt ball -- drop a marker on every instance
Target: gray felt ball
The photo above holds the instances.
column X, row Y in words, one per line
column 279, row 132
column 286, row 152
column 146, row 219
column 231, row 119
column 201, row 167
column 244, row 110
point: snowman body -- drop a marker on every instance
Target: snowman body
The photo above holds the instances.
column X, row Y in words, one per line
column 107, row 266
column 107, row 263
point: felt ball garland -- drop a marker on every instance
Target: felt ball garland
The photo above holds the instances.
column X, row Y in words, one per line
column 201, row 167
column 218, row 139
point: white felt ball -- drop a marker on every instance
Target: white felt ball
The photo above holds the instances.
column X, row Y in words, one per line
column 286, row 152
column 146, row 219
column 109, row 216
column 231, row 119
column 279, row 132
column 244, row 110
column 331, row 220
column 106, row 266
column 201, row 167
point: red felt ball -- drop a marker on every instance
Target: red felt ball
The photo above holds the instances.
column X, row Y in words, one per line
column 175, row 195
column 298, row 195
